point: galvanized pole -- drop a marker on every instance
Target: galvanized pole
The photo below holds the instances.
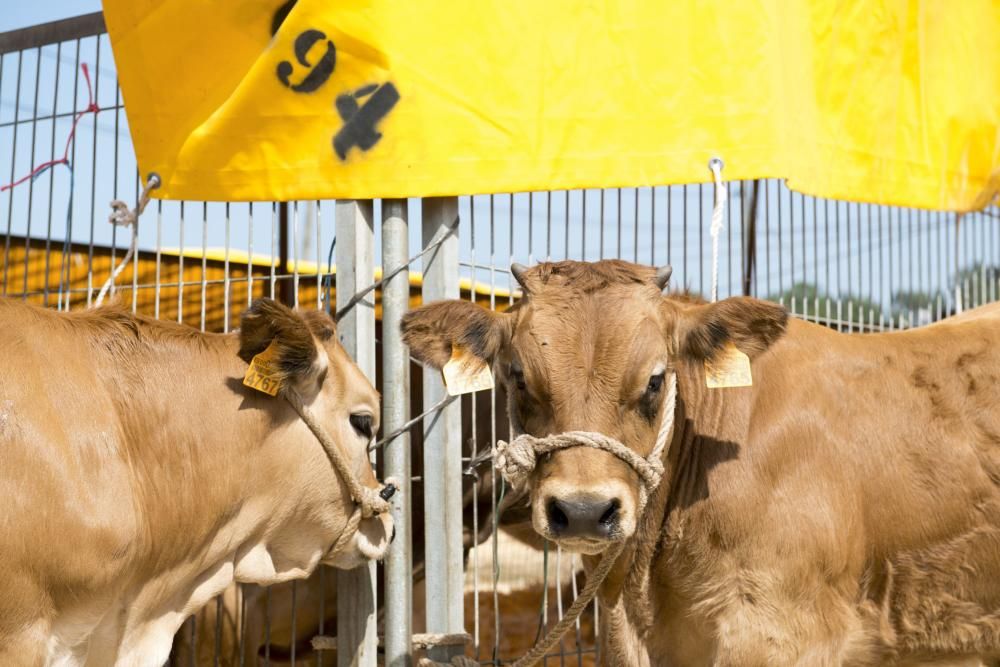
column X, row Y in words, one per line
column 442, row 447
column 749, row 234
column 395, row 413
column 357, row 639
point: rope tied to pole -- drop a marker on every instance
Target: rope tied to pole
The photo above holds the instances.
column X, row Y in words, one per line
column 716, row 165
column 123, row 217
column 516, row 460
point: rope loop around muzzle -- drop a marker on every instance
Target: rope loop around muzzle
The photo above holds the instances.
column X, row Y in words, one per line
column 517, row 459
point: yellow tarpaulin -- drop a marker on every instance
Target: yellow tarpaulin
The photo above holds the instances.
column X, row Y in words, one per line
column 894, row 102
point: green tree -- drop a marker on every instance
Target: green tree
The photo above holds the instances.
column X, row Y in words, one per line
column 806, row 300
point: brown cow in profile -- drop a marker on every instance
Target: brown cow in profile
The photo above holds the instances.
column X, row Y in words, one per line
column 842, row 510
column 139, row 477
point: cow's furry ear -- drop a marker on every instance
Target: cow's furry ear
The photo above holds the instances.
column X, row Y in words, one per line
column 296, row 355
column 751, row 324
column 320, row 324
column 432, row 330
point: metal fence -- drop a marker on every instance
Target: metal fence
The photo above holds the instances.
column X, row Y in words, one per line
column 853, row 267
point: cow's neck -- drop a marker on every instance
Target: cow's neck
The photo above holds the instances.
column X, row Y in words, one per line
column 701, row 440
column 205, row 449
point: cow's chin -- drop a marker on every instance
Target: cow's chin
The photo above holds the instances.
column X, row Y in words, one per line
column 369, row 543
column 585, row 546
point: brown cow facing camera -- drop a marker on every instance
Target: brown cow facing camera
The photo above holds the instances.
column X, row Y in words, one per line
column 843, row 509
column 140, row 477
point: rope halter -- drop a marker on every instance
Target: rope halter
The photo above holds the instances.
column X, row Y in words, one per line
column 517, row 459
column 369, row 501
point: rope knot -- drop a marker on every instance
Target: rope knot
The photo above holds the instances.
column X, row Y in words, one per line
column 121, row 215
column 516, row 460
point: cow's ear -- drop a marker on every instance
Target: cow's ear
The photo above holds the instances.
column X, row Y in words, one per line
column 296, row 360
column 320, row 323
column 432, row 330
column 751, row 324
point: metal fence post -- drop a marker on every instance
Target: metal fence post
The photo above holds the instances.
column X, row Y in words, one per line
column 442, row 448
column 357, row 639
column 395, row 404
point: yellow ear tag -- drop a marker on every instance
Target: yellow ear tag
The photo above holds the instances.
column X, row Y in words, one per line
column 263, row 374
column 730, row 368
column 465, row 372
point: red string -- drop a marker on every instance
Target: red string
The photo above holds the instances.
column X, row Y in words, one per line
column 91, row 108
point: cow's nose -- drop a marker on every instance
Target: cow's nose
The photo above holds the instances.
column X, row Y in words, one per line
column 583, row 516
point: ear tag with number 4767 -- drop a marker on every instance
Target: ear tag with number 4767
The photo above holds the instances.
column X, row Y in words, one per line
column 465, row 372
column 263, row 373
column 729, row 368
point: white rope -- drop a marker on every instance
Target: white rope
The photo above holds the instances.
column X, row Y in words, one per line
column 716, row 165
column 121, row 216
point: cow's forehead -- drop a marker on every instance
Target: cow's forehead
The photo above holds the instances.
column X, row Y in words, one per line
column 564, row 333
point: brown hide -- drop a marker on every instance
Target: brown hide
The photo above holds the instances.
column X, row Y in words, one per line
column 141, row 477
column 844, row 509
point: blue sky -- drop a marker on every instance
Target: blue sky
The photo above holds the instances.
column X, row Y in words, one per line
column 21, row 13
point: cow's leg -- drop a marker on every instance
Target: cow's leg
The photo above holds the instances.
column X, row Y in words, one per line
column 800, row 619
column 946, row 599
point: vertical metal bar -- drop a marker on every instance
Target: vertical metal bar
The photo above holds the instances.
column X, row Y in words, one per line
column 31, row 182
column 442, row 449
column 225, row 279
column 249, row 254
column 52, row 172
column 180, row 268
column 357, row 642
column 284, row 287
column 93, row 178
column 295, row 249
column 395, row 413
column 474, row 556
column 159, row 258
column 652, row 226
column 68, row 244
column 494, row 481
column 701, row 240
column 684, row 237
column 135, row 260
column 750, row 236
column 781, row 246
column 275, row 215
column 13, row 162
column 316, row 211
column 204, row 263
column 767, row 240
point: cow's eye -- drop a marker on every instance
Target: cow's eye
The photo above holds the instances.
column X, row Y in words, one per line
column 517, row 375
column 362, row 422
column 655, row 384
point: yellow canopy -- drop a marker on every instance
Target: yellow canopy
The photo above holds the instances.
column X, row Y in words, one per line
column 887, row 101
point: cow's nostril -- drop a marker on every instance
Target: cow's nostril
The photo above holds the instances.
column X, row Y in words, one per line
column 583, row 516
column 611, row 514
column 558, row 521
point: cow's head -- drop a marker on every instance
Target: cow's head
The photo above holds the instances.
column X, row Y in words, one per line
column 309, row 360
column 590, row 347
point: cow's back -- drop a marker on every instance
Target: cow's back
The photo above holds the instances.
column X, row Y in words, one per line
column 68, row 523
